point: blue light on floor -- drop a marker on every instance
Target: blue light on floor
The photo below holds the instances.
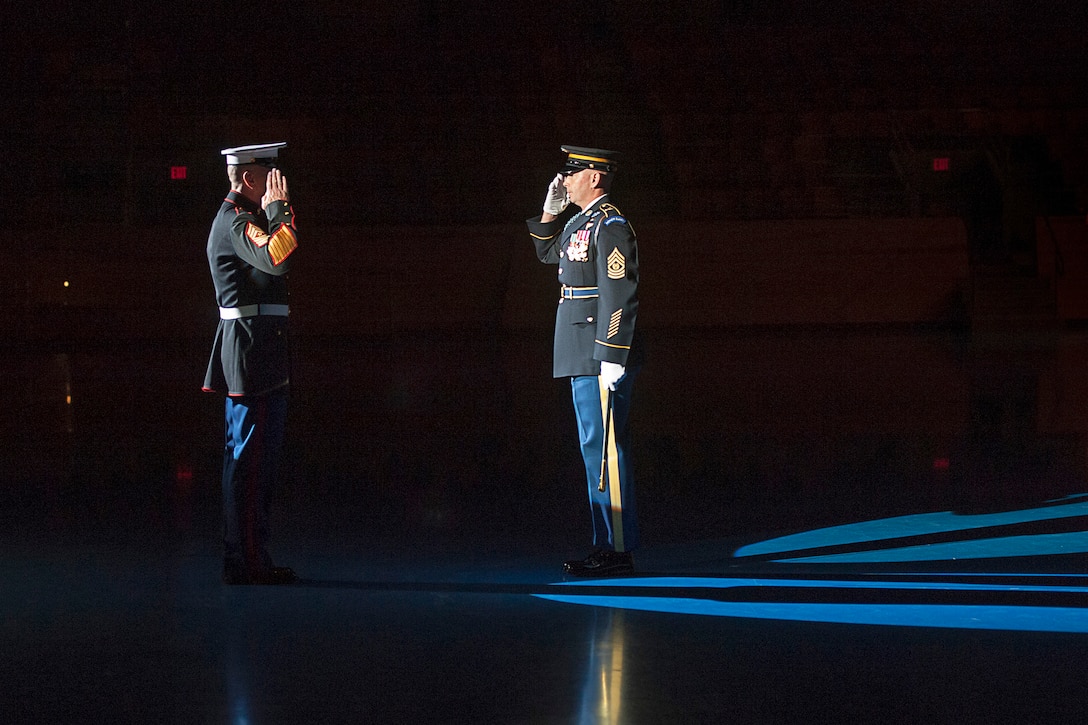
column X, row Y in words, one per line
column 709, row 596
column 691, row 582
column 913, row 525
column 1032, row 545
column 996, row 617
column 956, row 616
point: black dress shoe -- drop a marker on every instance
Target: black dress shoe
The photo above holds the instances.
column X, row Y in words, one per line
column 601, row 563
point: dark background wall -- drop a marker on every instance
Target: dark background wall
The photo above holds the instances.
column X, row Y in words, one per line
column 779, row 155
column 824, row 307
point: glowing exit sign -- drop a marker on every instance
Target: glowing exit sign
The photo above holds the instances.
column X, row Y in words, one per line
column 179, row 172
column 942, row 163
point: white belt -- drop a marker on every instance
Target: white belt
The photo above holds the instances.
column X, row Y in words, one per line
column 237, row 313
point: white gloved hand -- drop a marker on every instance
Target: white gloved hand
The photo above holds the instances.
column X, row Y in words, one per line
column 611, row 373
column 556, row 200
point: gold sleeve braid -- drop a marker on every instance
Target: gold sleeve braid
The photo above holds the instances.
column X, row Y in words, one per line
column 280, row 245
column 614, row 323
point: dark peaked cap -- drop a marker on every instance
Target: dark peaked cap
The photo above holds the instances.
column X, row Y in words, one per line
column 582, row 157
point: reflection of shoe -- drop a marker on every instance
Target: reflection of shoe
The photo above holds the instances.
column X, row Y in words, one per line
column 601, row 563
column 236, row 574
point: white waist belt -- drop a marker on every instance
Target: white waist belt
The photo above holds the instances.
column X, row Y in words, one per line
column 237, row 313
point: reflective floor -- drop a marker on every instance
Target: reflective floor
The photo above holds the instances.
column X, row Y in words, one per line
column 838, row 527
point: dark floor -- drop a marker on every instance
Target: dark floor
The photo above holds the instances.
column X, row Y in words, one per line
column 838, row 527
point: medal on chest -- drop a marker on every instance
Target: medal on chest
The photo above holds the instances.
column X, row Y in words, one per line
column 578, row 249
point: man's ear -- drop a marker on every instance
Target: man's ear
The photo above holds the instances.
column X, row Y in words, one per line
column 248, row 178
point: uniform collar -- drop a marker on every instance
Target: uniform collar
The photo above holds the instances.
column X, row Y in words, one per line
column 239, row 199
column 595, row 202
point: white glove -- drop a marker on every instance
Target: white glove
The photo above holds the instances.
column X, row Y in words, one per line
column 611, row 374
column 556, row 200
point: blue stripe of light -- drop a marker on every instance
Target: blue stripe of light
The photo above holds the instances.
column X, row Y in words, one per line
column 901, row 526
column 1032, row 545
column 1026, row 619
column 730, row 583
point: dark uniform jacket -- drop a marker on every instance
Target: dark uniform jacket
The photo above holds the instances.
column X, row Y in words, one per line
column 594, row 248
column 249, row 254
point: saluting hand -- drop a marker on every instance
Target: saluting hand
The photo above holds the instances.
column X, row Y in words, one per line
column 556, row 200
column 275, row 188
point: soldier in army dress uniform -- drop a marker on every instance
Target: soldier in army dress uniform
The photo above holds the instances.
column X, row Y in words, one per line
column 250, row 249
column 595, row 342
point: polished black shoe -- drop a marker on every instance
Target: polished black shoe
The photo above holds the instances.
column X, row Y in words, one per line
column 601, row 563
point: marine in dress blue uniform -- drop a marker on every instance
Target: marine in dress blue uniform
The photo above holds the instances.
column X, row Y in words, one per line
column 595, row 343
column 250, row 249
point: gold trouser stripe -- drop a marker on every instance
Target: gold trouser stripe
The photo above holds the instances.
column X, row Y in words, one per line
column 615, row 498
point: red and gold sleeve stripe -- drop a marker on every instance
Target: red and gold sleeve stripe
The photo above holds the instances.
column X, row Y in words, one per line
column 256, row 236
column 280, row 245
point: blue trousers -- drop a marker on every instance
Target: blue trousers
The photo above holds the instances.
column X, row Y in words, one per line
column 615, row 525
column 254, row 438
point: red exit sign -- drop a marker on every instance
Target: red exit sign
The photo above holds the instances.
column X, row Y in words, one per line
column 179, row 172
column 942, row 163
